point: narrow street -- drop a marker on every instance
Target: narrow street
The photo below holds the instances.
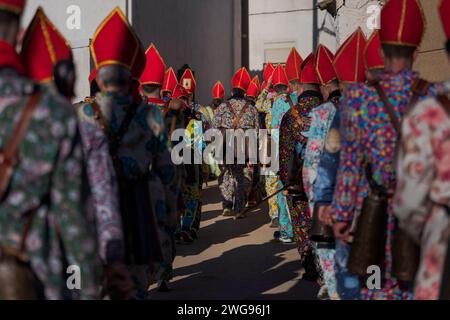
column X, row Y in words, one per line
column 236, row 260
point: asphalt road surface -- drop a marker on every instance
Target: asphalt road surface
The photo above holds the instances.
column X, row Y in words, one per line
column 236, row 260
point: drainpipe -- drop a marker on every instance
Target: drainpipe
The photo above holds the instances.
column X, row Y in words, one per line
column 245, row 34
column 315, row 33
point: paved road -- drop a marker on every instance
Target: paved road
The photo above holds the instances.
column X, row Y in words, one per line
column 236, row 260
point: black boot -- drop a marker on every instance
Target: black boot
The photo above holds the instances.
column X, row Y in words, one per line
column 309, row 265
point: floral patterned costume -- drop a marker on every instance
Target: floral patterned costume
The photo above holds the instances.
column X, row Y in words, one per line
column 279, row 109
column 293, row 139
column 104, row 190
column 145, row 165
column 368, row 136
column 423, row 190
column 264, row 105
column 49, row 174
column 322, row 119
column 236, row 179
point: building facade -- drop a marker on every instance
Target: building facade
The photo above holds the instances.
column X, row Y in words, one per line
column 206, row 34
column 277, row 26
column 215, row 37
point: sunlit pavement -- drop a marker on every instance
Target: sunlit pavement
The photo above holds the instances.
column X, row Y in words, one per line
column 236, row 260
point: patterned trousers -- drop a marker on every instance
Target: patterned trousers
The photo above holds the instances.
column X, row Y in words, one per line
column 283, row 214
column 301, row 224
column 235, row 183
column 272, row 187
column 191, row 196
column 326, row 263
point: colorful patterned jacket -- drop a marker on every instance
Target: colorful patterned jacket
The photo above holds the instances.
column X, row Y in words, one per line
column 49, row 177
column 423, row 190
column 318, row 157
column 368, row 137
column 293, row 136
column 142, row 158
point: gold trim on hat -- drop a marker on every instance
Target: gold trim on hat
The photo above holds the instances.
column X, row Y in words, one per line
column 369, row 42
column 152, row 45
column 193, row 78
column 100, row 28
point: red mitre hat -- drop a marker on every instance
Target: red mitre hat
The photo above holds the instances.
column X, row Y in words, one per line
column 170, row 81
column 218, row 91
column 10, row 58
column 155, row 67
column 324, row 65
column 92, row 75
column 293, row 65
column 115, row 42
column 349, row 60
column 254, row 88
column 444, row 11
column 373, row 58
column 263, row 86
column 188, row 81
column 180, row 92
column 402, row 23
column 309, row 74
column 139, row 63
column 268, row 71
column 43, row 47
column 14, row 6
column 241, row 79
column 279, row 76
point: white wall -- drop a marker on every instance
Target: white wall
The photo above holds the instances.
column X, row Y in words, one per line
column 92, row 12
column 277, row 26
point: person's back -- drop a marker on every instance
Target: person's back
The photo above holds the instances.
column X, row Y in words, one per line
column 46, row 186
column 421, row 203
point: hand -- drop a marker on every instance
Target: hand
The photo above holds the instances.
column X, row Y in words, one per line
column 285, row 193
column 325, row 215
column 341, row 231
column 118, row 283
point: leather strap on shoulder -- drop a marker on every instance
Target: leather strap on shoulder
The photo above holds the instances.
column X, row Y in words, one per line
column 237, row 119
column 420, row 88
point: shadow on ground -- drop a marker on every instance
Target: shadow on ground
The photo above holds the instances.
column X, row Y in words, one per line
column 242, row 273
